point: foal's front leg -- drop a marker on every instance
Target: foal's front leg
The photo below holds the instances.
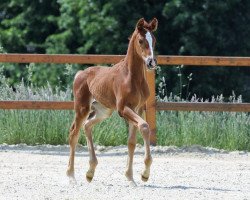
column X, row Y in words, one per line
column 131, row 149
column 143, row 126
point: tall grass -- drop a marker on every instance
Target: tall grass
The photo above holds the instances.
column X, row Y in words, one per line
column 221, row 130
column 52, row 127
column 216, row 129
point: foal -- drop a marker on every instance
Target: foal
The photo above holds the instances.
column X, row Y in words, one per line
column 98, row 91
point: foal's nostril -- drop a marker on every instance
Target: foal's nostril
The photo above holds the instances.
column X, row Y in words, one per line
column 149, row 62
column 155, row 61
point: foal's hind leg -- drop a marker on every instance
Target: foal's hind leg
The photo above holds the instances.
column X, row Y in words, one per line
column 99, row 113
column 82, row 111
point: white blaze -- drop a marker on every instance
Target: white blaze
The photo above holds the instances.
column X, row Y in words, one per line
column 150, row 43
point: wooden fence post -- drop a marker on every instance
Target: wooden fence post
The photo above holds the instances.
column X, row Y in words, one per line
column 150, row 106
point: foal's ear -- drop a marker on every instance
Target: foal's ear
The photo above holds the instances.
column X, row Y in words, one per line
column 140, row 25
column 153, row 25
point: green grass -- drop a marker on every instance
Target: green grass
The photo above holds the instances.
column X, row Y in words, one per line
column 224, row 130
column 52, row 127
column 221, row 130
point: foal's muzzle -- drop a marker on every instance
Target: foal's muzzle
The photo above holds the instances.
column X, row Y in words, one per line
column 151, row 63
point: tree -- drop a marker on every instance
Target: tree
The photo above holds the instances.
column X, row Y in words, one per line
column 24, row 27
column 218, row 28
column 26, row 24
column 186, row 27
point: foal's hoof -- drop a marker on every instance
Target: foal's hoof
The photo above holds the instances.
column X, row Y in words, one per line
column 144, row 178
column 89, row 179
column 89, row 176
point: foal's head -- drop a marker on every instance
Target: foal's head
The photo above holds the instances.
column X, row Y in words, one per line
column 145, row 41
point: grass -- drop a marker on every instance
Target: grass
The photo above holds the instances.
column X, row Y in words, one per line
column 223, row 130
column 52, row 127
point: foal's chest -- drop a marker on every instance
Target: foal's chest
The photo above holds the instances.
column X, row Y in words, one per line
column 139, row 94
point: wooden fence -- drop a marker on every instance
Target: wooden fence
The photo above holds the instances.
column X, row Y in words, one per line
column 151, row 106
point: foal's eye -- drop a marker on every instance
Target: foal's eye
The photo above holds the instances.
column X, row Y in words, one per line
column 140, row 41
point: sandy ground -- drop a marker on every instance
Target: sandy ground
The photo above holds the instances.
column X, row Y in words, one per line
column 177, row 173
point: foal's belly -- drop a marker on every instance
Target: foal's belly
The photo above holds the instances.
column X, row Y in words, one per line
column 101, row 86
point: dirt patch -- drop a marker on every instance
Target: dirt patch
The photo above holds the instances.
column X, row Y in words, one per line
column 177, row 173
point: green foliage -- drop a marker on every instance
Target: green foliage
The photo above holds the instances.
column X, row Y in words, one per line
column 186, row 27
column 26, row 24
column 210, row 28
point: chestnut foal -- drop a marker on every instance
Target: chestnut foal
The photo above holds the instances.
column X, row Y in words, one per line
column 98, row 91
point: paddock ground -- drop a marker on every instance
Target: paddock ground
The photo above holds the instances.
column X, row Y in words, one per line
column 177, row 173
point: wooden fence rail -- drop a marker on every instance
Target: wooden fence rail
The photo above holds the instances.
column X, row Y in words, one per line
column 151, row 105
column 203, row 106
column 37, row 105
column 167, row 106
column 111, row 59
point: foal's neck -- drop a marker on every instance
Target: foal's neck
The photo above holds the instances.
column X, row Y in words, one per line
column 135, row 63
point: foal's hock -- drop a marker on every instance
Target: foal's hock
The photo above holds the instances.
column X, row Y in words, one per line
column 98, row 91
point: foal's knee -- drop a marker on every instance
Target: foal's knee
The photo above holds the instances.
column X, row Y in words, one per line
column 144, row 128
